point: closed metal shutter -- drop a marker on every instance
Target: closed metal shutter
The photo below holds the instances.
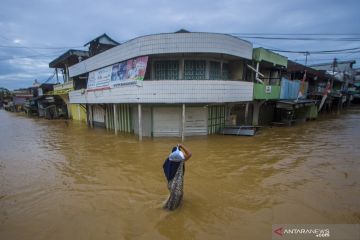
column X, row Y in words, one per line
column 98, row 114
column 196, row 121
column 146, row 120
column 167, row 121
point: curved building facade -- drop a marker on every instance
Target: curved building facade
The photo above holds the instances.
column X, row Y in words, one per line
column 167, row 43
column 172, row 84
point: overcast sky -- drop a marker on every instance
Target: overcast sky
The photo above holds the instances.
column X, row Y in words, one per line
column 34, row 32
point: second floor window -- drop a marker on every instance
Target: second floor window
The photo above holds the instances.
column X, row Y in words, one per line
column 225, row 71
column 166, row 70
column 194, row 69
column 215, row 71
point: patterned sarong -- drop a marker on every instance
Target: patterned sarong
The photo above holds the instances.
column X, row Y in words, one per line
column 175, row 187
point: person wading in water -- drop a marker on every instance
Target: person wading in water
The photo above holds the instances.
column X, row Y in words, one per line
column 174, row 169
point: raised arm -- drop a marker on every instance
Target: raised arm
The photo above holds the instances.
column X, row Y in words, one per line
column 187, row 152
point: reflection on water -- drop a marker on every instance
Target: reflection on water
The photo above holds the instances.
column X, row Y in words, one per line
column 62, row 180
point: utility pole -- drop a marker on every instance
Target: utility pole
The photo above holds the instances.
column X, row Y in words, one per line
column 333, row 65
column 306, row 57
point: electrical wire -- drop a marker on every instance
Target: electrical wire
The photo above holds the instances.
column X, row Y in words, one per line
column 301, row 38
column 30, row 56
column 346, row 50
column 50, row 78
column 298, row 34
column 37, row 47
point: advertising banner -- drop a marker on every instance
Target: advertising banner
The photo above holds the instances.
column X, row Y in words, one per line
column 128, row 72
column 119, row 74
column 99, row 79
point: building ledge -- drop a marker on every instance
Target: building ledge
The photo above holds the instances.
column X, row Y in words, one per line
column 169, row 91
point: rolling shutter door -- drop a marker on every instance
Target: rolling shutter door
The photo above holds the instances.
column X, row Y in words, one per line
column 196, row 121
column 167, row 121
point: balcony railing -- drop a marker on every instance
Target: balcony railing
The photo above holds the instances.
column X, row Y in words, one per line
column 63, row 88
column 66, row 85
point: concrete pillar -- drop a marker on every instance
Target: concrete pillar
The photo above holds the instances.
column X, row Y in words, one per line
column 115, row 120
column 227, row 114
column 88, row 114
column 140, row 122
column 183, row 123
column 181, row 69
column 207, row 70
column 79, row 113
column 91, row 116
column 246, row 113
column 67, row 72
column 106, row 113
column 256, row 112
column 152, row 68
column 339, row 106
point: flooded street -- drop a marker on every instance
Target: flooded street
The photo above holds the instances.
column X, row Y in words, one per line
column 62, row 180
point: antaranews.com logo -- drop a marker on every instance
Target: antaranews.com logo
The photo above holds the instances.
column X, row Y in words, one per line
column 302, row 231
column 316, row 231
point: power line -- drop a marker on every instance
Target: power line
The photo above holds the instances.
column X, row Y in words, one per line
column 50, row 78
column 25, row 47
column 346, row 50
column 31, row 56
column 301, row 38
column 297, row 34
column 32, row 47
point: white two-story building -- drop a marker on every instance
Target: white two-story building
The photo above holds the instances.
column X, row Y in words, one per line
column 172, row 84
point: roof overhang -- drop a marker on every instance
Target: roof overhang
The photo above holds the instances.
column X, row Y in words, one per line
column 164, row 44
column 69, row 57
column 262, row 54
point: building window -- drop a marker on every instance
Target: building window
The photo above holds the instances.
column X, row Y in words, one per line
column 225, row 71
column 194, row 69
column 215, row 71
column 166, row 70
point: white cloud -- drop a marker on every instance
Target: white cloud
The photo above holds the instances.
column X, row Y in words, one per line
column 60, row 23
column 17, row 41
column 30, row 64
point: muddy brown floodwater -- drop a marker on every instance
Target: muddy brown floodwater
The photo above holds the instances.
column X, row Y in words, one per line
column 61, row 180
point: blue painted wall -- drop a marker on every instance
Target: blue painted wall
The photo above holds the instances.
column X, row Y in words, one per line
column 290, row 89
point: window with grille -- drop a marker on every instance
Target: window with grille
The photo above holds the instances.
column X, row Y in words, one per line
column 194, row 69
column 215, row 71
column 225, row 71
column 166, row 70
